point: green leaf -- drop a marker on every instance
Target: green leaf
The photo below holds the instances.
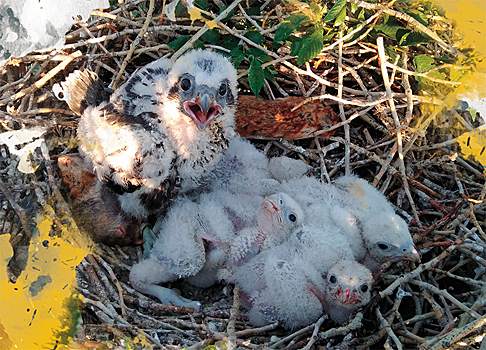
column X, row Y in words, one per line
column 253, row 51
column 211, row 36
column 135, row 13
column 229, row 41
column 473, row 112
column 202, row 4
column 237, row 56
column 269, row 73
column 256, row 76
column 287, row 27
column 198, row 45
column 414, row 38
column 296, row 46
column 419, row 16
column 253, row 11
column 423, row 63
column 335, row 10
column 361, row 15
column 311, row 46
column 317, row 11
column 341, row 17
column 283, row 31
column 297, row 19
column 255, row 36
column 389, row 31
column 227, row 18
column 354, row 7
column 177, row 43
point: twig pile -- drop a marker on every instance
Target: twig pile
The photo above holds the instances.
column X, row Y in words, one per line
column 404, row 142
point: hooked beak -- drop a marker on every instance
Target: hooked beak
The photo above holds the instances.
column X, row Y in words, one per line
column 410, row 252
column 405, row 252
column 204, row 108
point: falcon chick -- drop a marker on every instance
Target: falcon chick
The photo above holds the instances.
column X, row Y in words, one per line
column 382, row 229
column 197, row 237
column 311, row 273
column 161, row 132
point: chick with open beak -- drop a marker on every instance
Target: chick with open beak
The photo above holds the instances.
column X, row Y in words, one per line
column 204, row 107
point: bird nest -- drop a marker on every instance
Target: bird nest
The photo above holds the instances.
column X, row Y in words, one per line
column 383, row 72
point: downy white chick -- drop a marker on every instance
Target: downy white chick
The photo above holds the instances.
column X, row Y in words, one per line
column 326, row 203
column 161, row 132
column 285, row 168
column 195, row 239
column 243, row 169
column 384, row 232
column 311, row 273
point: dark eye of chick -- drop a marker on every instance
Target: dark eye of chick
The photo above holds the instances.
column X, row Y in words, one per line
column 222, row 90
column 333, row 279
column 363, row 288
column 383, row 246
column 292, row 218
column 185, row 84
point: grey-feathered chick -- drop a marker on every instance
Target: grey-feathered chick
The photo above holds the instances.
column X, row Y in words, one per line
column 384, row 231
column 305, row 276
column 243, row 169
column 196, row 239
column 161, row 132
column 325, row 203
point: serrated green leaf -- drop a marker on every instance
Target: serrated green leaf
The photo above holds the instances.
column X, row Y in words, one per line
column 177, row 43
column 255, row 36
column 237, row 56
column 423, row 63
column 341, row 17
column 311, row 45
column 256, row 76
column 211, row 36
column 335, row 10
column 296, row 45
column 283, row 31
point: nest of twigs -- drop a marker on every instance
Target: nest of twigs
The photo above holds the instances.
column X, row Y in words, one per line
column 394, row 131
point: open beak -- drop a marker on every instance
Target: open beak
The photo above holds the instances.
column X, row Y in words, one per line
column 203, row 108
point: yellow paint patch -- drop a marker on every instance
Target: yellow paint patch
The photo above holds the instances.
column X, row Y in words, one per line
column 473, row 144
column 195, row 14
column 37, row 311
column 211, row 24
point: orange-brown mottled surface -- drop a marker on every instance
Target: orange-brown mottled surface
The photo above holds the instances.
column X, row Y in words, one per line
column 275, row 119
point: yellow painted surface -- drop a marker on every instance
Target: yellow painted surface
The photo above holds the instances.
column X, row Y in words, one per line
column 41, row 308
column 470, row 19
